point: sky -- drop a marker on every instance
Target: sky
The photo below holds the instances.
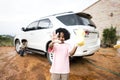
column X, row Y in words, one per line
column 15, row 14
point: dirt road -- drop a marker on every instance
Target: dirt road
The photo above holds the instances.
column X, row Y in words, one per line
column 103, row 65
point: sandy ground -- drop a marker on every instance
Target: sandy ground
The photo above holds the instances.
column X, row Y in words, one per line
column 103, row 65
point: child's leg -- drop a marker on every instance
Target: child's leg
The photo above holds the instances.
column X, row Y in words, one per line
column 64, row 76
column 21, row 52
column 55, row 76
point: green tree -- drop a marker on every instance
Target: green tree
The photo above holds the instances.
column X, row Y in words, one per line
column 109, row 36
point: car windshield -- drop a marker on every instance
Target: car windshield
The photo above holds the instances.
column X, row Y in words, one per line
column 73, row 19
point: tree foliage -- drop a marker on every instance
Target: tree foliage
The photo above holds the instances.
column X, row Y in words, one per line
column 6, row 40
column 109, row 36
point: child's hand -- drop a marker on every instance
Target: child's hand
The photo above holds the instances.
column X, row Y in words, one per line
column 55, row 38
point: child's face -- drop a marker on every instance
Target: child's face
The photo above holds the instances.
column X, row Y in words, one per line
column 24, row 43
column 61, row 37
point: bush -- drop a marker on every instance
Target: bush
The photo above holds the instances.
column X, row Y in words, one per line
column 6, row 40
column 109, row 37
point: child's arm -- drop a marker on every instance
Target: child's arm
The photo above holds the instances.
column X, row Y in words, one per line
column 73, row 50
column 51, row 44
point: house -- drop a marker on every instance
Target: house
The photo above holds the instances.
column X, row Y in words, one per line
column 106, row 13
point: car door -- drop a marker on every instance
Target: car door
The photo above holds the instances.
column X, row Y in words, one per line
column 30, row 32
column 42, row 34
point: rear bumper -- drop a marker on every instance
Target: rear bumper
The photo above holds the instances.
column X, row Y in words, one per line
column 85, row 51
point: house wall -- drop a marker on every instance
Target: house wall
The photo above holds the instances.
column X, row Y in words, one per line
column 105, row 13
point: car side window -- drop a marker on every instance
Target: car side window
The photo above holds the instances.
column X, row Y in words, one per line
column 44, row 24
column 32, row 26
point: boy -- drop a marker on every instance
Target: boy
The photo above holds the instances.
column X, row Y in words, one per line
column 23, row 47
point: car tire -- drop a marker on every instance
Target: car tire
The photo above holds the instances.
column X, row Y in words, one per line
column 17, row 46
column 50, row 57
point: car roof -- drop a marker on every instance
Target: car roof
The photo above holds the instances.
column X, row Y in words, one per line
column 58, row 14
column 86, row 15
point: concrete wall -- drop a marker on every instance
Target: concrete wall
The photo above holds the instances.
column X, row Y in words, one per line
column 105, row 13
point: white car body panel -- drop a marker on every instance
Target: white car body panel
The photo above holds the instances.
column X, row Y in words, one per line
column 37, row 39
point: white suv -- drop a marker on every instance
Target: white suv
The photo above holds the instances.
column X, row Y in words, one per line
column 38, row 33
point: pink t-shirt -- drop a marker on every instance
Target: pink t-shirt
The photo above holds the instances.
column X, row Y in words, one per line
column 61, row 55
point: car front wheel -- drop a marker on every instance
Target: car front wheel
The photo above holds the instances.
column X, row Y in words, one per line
column 50, row 57
column 17, row 46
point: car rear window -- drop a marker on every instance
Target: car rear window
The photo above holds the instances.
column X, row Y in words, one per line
column 73, row 19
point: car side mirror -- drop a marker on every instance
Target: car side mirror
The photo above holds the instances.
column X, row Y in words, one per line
column 23, row 29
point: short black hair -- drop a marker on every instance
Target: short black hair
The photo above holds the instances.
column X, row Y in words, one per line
column 23, row 40
column 65, row 31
